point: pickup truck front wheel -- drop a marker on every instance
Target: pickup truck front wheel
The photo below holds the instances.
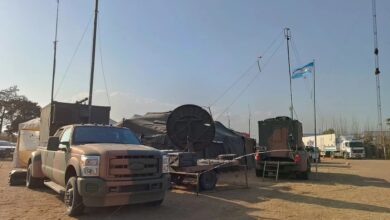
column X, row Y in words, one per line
column 32, row 182
column 72, row 198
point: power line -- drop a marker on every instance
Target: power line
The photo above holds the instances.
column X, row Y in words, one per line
column 245, row 73
column 250, row 82
column 72, row 58
column 233, row 84
column 101, row 63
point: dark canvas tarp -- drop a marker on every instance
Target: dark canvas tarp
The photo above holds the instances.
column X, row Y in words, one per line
column 151, row 129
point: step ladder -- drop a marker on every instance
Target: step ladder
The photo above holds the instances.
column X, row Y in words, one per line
column 271, row 167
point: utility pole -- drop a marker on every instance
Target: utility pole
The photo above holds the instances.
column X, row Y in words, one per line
column 93, row 62
column 54, row 70
column 287, row 34
column 377, row 72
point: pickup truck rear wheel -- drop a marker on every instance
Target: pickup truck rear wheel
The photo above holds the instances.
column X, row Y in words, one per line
column 32, row 182
column 72, row 198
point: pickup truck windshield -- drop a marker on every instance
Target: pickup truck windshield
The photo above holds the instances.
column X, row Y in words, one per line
column 90, row 134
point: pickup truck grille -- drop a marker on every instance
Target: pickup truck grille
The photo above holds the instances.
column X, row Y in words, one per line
column 357, row 151
column 133, row 167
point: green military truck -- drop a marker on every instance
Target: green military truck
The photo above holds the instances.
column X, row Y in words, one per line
column 97, row 166
column 281, row 149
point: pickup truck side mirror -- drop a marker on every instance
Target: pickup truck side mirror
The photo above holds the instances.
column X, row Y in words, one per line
column 53, row 143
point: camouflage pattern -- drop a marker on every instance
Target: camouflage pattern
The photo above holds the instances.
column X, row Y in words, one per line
column 284, row 136
column 127, row 173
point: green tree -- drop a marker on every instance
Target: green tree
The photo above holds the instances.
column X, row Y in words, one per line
column 388, row 122
column 329, row 131
column 6, row 95
column 22, row 110
column 15, row 109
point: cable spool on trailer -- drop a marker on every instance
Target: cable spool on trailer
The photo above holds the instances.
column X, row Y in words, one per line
column 190, row 127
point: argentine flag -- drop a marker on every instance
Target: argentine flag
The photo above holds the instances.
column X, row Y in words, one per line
column 303, row 71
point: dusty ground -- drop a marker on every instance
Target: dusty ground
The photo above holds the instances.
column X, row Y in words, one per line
column 353, row 189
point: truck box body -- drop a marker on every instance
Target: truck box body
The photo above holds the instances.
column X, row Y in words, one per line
column 325, row 142
column 69, row 113
column 274, row 135
column 281, row 147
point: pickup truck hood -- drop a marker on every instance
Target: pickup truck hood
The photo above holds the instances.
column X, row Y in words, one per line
column 102, row 148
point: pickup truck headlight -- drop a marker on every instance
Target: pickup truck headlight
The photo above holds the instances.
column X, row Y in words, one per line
column 89, row 165
column 165, row 164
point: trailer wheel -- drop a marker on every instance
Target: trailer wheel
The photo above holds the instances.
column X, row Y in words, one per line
column 32, row 182
column 72, row 198
column 208, row 180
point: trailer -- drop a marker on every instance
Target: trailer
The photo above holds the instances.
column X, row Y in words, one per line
column 191, row 128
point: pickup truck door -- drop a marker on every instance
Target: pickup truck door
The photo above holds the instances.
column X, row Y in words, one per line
column 47, row 158
column 60, row 157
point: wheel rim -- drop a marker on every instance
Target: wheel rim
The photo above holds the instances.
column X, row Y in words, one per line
column 69, row 196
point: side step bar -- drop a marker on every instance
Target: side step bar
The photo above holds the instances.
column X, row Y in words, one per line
column 54, row 186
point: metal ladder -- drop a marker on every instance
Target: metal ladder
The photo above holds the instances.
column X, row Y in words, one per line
column 272, row 167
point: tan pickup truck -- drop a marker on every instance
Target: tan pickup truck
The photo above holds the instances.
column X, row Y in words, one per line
column 96, row 166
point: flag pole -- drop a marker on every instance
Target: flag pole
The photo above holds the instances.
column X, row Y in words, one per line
column 315, row 115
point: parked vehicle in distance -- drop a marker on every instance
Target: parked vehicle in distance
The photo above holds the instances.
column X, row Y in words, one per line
column 315, row 154
column 97, row 166
column 281, row 137
column 350, row 147
column 6, row 149
column 325, row 142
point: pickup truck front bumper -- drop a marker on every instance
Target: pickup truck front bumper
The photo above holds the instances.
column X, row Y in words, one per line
column 97, row 192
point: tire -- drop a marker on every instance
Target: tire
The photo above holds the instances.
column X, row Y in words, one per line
column 72, row 198
column 32, row 182
column 208, row 180
column 305, row 175
column 345, row 156
column 259, row 173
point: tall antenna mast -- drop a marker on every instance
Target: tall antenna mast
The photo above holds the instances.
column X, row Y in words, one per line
column 93, row 62
column 55, row 56
column 377, row 72
column 287, row 34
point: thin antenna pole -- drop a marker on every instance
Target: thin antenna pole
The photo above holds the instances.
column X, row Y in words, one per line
column 315, row 114
column 54, row 57
column 377, row 72
column 287, row 34
column 93, row 62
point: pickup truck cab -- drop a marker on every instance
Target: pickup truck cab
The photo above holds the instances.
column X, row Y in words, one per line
column 97, row 166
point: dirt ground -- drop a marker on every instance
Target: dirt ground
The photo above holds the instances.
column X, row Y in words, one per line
column 343, row 189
